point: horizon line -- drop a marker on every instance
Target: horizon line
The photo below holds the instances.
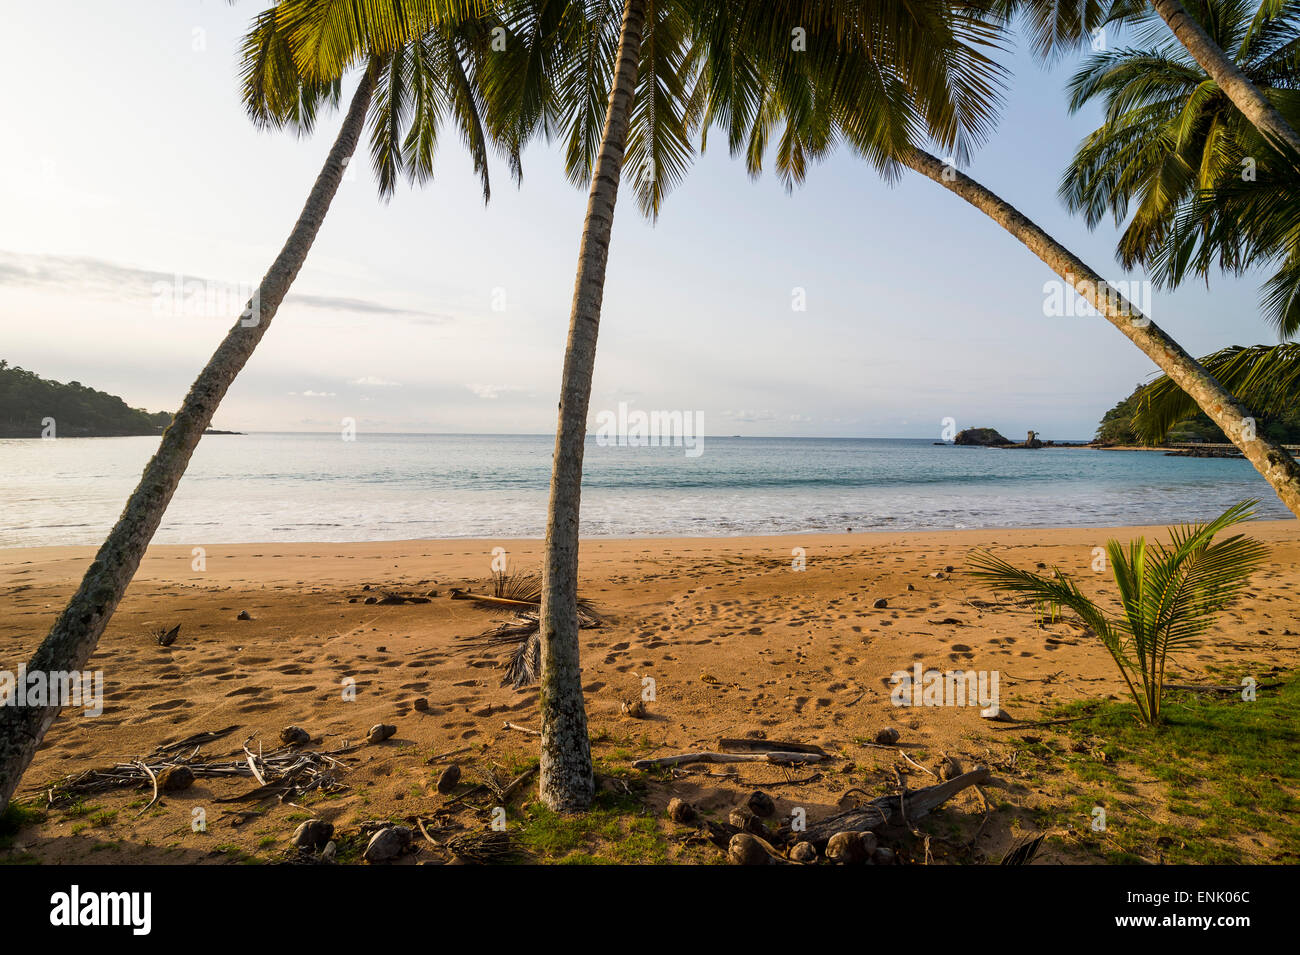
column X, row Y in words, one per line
column 592, row 434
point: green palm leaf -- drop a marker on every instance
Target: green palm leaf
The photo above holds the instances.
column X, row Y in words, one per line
column 1168, row 595
column 1265, row 377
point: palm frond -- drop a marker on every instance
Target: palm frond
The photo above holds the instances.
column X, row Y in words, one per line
column 329, row 37
column 1266, row 378
column 1023, row 852
column 274, row 93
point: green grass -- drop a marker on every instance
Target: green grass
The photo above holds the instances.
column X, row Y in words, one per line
column 1219, row 769
column 14, row 818
column 237, row 854
column 79, row 808
column 95, row 819
column 618, row 829
column 349, row 847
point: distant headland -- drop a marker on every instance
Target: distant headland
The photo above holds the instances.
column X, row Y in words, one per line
column 36, row 407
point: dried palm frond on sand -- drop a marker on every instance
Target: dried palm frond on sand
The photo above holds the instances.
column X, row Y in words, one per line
column 287, row 773
column 522, row 590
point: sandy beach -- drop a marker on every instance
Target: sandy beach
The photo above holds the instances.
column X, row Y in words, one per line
column 736, row 641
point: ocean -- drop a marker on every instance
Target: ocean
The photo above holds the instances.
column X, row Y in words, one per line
column 318, row 487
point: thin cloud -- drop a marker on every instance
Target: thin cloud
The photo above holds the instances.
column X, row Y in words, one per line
column 492, row 392
column 107, row 279
column 750, row 416
column 372, row 381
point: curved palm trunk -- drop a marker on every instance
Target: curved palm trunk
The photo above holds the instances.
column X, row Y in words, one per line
column 566, row 783
column 77, row 631
column 1270, row 459
column 1244, row 94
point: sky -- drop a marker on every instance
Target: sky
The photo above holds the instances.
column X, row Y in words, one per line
column 130, row 171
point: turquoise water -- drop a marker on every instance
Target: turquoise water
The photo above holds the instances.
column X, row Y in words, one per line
column 317, row 487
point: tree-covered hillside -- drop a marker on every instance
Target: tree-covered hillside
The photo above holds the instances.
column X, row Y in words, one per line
column 27, row 400
column 1116, row 426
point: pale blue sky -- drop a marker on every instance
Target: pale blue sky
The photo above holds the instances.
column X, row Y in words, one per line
column 128, row 160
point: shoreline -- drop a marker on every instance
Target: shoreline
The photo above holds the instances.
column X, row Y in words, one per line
column 741, row 541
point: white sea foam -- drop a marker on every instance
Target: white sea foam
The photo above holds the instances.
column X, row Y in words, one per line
column 262, row 487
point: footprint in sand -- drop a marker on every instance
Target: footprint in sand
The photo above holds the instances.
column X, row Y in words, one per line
column 246, row 691
column 254, row 707
column 169, row 705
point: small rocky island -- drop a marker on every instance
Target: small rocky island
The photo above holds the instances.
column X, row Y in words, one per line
column 980, row 438
column 991, row 438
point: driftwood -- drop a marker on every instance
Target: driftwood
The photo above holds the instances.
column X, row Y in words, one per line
column 915, row 763
column 198, row 739
column 682, row 759
column 289, row 773
column 252, row 764
column 733, row 745
column 522, row 729
column 439, row 757
column 482, row 847
column 508, row 793
column 891, row 810
column 153, row 778
column 285, row 772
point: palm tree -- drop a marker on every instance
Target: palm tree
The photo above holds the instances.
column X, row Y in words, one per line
column 1232, row 416
column 1058, row 24
column 1172, row 140
column 566, row 781
column 833, row 99
column 1245, row 95
column 1203, row 191
column 405, row 90
column 909, row 52
column 608, row 77
column 1169, row 596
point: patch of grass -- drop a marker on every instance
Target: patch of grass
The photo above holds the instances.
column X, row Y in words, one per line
column 1224, row 769
column 15, row 816
column 617, row 830
column 349, row 847
column 96, row 819
column 627, row 743
column 103, row 817
column 237, row 854
column 75, row 810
